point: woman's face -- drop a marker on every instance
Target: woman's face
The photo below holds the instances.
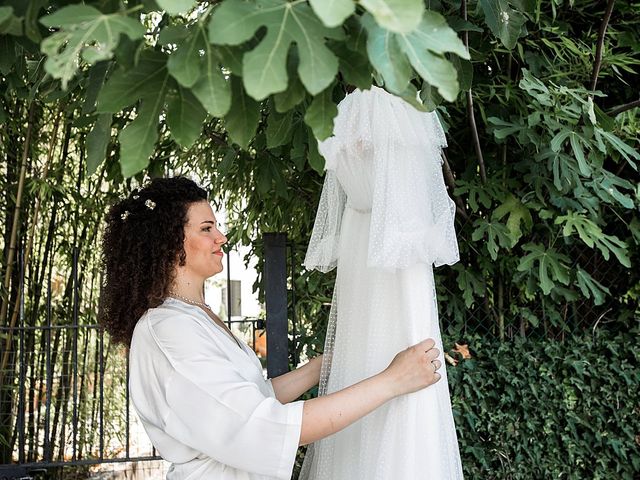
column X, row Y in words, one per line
column 202, row 241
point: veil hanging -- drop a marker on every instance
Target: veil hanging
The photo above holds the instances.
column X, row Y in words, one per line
column 412, row 216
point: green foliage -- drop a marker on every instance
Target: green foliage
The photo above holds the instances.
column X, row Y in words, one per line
column 85, row 31
column 551, row 409
column 181, row 58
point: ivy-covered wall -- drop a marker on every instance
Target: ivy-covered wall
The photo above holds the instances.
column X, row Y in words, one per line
column 549, row 410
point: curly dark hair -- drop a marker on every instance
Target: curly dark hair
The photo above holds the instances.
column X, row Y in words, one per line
column 142, row 243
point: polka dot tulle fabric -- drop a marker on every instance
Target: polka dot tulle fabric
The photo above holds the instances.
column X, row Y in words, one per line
column 384, row 220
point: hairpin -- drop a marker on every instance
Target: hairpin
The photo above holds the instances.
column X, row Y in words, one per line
column 150, row 204
column 125, row 214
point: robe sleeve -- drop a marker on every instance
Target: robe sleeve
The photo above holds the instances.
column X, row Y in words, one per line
column 215, row 410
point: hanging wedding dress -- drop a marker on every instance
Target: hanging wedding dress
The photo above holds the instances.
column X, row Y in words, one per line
column 384, row 220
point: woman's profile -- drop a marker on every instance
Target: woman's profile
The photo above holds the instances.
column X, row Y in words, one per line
column 198, row 390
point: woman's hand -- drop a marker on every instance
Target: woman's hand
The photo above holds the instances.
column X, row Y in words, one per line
column 411, row 370
column 414, row 368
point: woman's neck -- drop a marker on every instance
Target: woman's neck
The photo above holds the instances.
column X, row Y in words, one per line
column 190, row 288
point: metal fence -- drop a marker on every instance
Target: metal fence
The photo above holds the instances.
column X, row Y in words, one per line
column 65, row 410
column 65, row 406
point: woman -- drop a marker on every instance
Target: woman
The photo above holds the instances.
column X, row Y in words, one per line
column 197, row 389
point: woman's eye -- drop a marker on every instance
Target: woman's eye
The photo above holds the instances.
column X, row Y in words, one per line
column 206, row 229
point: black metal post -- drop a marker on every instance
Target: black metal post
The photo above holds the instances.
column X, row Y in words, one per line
column 275, row 284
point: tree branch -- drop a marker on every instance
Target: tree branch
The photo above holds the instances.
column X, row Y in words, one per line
column 450, row 180
column 470, row 113
column 603, row 29
column 623, row 108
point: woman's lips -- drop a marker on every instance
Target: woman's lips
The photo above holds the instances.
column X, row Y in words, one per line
column 219, row 252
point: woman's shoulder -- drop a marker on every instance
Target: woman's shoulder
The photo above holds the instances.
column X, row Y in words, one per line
column 170, row 322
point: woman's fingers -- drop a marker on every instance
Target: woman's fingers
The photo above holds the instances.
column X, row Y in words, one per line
column 432, row 354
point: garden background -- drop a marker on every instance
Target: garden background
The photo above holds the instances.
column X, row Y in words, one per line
column 540, row 103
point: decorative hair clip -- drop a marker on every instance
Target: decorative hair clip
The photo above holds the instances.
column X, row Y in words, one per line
column 135, row 197
column 125, row 214
column 150, row 204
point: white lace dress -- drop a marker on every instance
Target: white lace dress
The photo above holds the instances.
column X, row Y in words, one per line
column 384, row 220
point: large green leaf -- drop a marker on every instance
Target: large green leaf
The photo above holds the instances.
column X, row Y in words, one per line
column 176, row 7
column 84, row 32
column 591, row 287
column 279, row 129
column 517, row 214
column 97, row 142
column 386, row 57
column 551, row 266
column 424, row 48
column 242, row 120
column 185, row 117
column 264, row 67
column 593, row 236
column 393, row 54
column 316, row 161
column 320, row 114
column 125, row 87
column 333, row 12
column 400, row 16
column 184, row 63
column 291, row 97
column 9, row 23
column 506, row 23
column 212, row 89
column 497, row 235
column 138, row 138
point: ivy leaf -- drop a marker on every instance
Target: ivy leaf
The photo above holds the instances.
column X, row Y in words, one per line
column 590, row 287
column 83, row 32
column 176, row 7
column 185, row 117
column 241, row 122
column 125, row 87
column 97, row 142
column 551, row 266
column 399, row 16
column 333, row 12
column 506, row 23
column 320, row 114
column 264, row 67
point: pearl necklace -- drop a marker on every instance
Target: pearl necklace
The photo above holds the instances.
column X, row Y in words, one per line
column 188, row 300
